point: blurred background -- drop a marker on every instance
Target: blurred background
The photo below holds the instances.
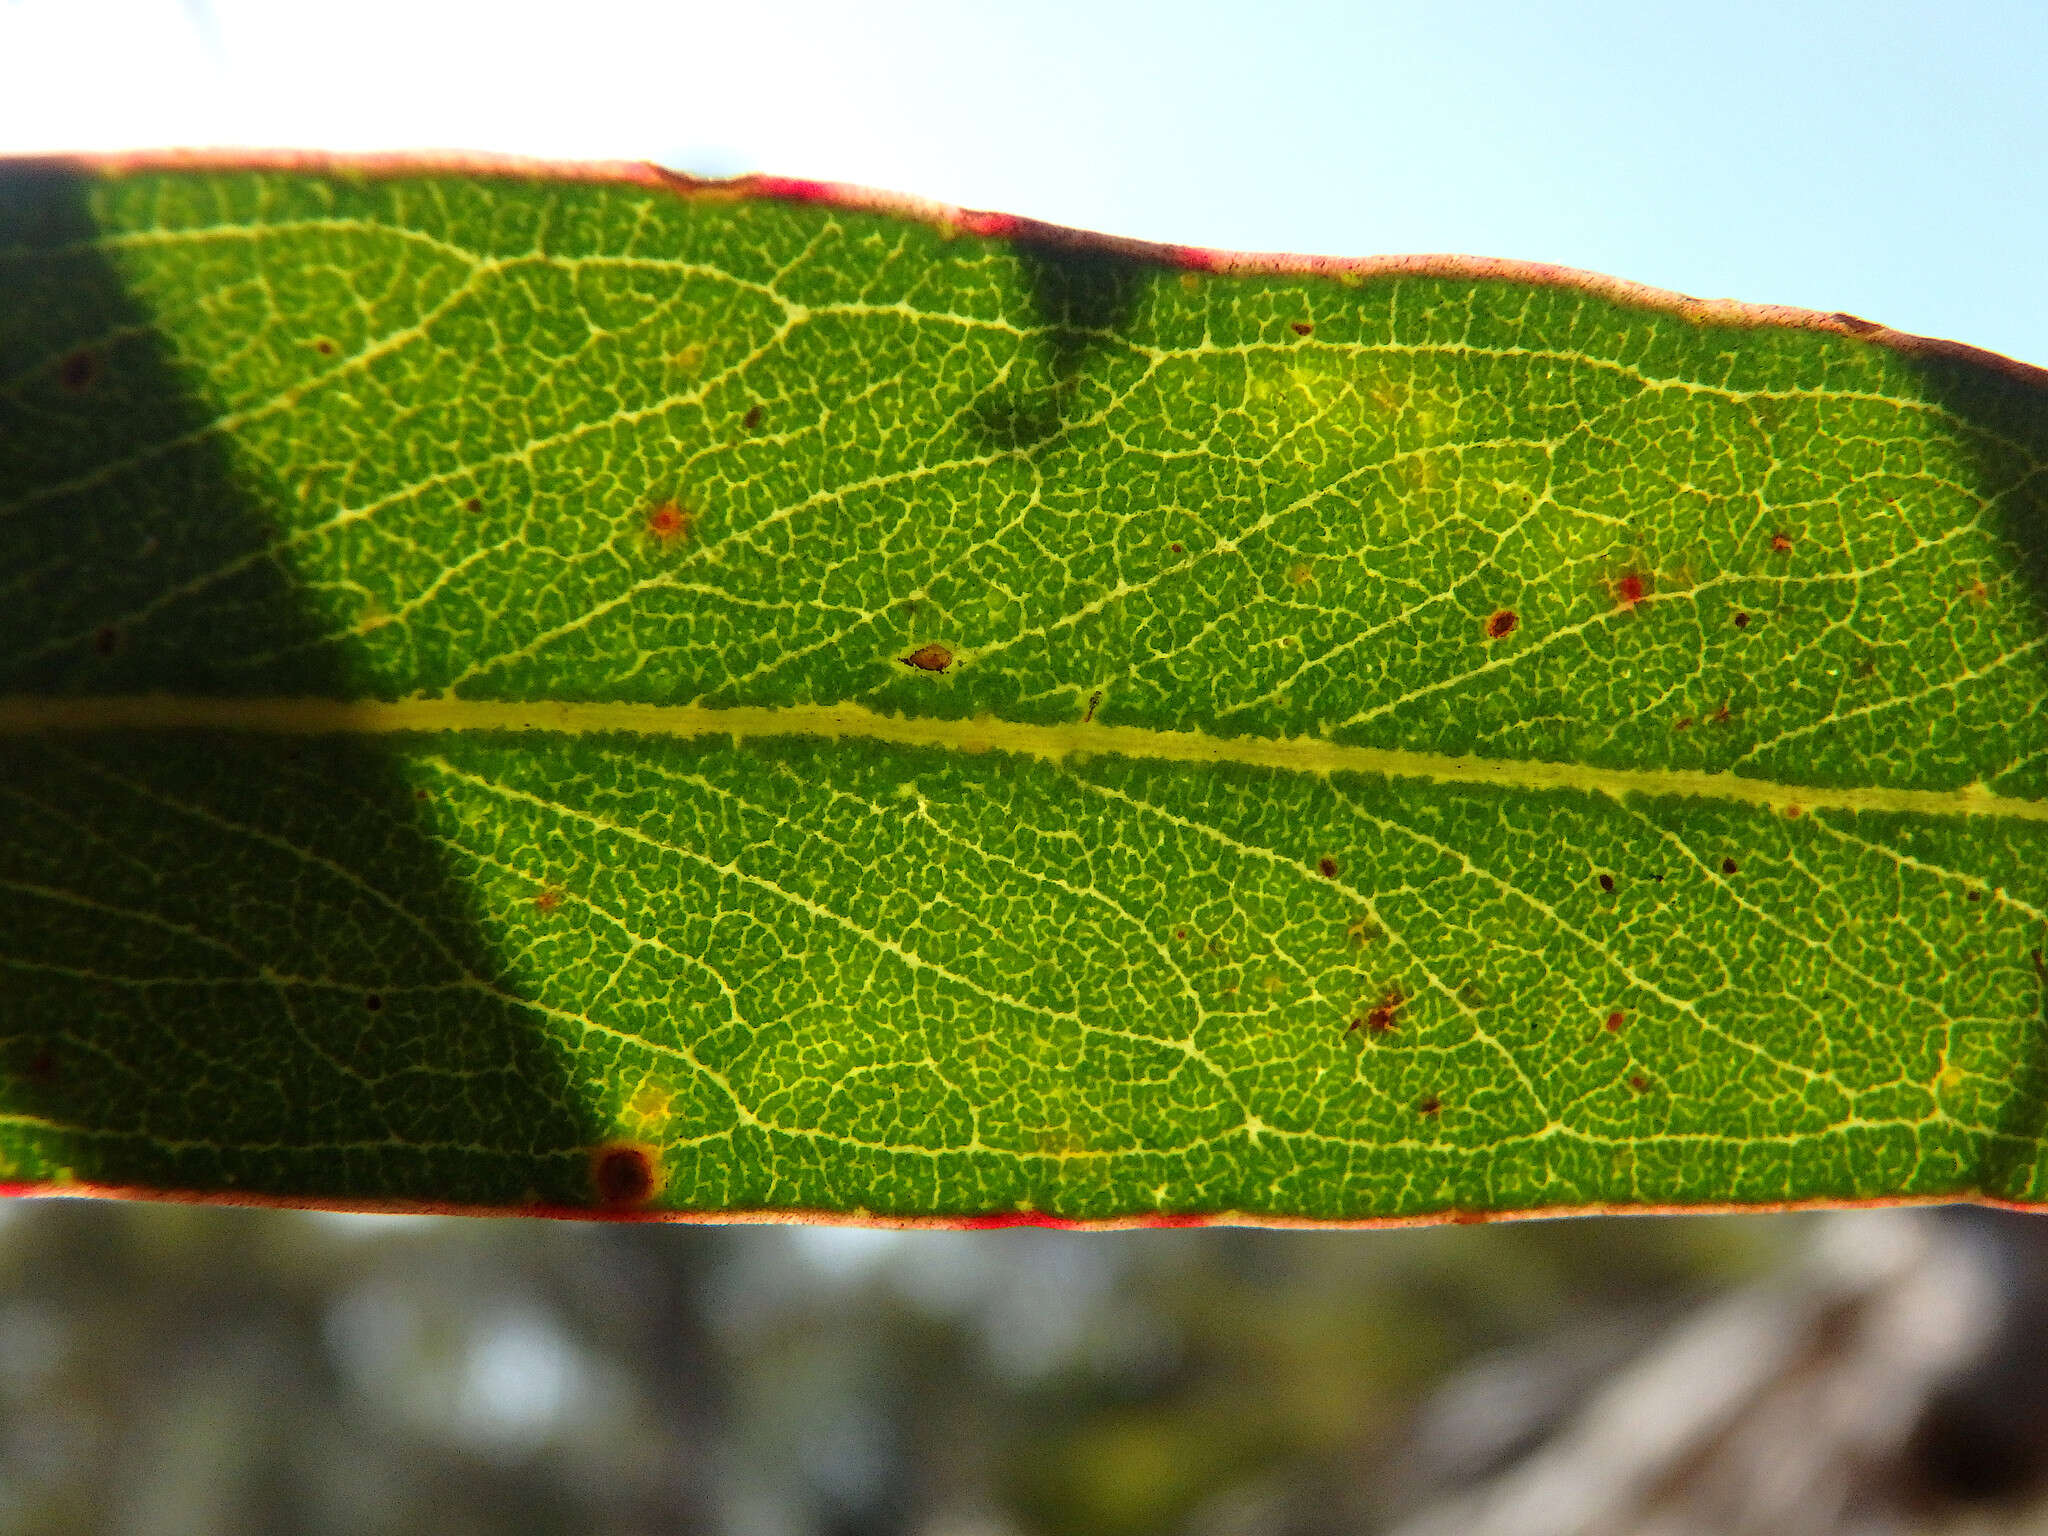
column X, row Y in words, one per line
column 167, row 1370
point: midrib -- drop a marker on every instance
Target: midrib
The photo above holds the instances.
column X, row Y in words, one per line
column 32, row 716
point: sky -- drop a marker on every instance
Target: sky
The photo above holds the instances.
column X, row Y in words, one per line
column 1886, row 159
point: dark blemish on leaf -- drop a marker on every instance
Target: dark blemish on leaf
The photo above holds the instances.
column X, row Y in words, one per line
column 1607, row 883
column 1658, row 878
column 1327, row 867
column 1720, row 716
column 1614, row 1021
column 1176, row 549
column 1973, row 895
column 472, row 505
column 1728, row 866
column 1742, row 621
column 668, row 522
column 1630, row 589
column 548, row 900
column 1639, row 1082
column 1782, row 543
column 1682, row 723
column 1792, row 812
column 1430, row 1105
column 752, row 419
column 1501, row 625
column 419, row 794
column 622, row 1174
column 1380, row 1019
column 1180, row 933
column 373, row 1002
column 106, row 640
column 78, row 370
column 1094, row 699
column 324, row 347
column 42, row 1067
column 1301, row 327
column 929, row 658
column 2040, row 967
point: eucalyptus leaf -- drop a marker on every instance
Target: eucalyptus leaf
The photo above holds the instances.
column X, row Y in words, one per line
column 548, row 690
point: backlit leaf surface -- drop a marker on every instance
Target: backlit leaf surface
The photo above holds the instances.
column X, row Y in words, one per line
column 569, row 692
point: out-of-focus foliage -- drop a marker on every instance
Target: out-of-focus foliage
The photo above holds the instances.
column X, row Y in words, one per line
column 170, row 1370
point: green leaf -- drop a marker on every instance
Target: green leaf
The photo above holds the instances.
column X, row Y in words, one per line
column 567, row 692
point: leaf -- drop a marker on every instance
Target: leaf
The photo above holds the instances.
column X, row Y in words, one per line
column 598, row 691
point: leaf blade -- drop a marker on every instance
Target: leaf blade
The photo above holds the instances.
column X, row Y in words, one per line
column 1216, row 566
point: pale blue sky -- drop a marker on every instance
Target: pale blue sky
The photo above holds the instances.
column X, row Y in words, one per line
column 1886, row 159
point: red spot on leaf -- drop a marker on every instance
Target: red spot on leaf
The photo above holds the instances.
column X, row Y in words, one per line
column 1501, row 625
column 929, row 658
column 669, row 523
column 622, row 1173
column 1782, row 543
column 1630, row 588
column 1614, row 1022
column 1380, row 1020
column 1638, row 1082
column 548, row 900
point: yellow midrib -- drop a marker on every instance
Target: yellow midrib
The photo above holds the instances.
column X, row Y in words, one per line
column 31, row 716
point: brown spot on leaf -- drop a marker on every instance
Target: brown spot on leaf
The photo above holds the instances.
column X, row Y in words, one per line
column 106, row 640
column 1638, row 1082
column 1728, row 866
column 1381, row 1018
column 1176, row 549
column 78, row 370
column 324, row 347
column 669, row 523
column 1682, row 723
column 1721, row 715
column 1792, row 811
column 1094, row 699
column 1300, row 574
column 622, row 1174
column 1973, row 895
column 752, row 419
column 1326, row 867
column 1781, row 543
column 1742, row 621
column 1301, row 327
column 1630, row 588
column 1180, row 933
column 1430, row 1105
column 929, row 658
column 1501, row 624
column 1614, row 1022
column 1977, row 593
column 42, row 1067
column 373, row 1002
column 472, row 505
column 548, row 900
column 1607, row 883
